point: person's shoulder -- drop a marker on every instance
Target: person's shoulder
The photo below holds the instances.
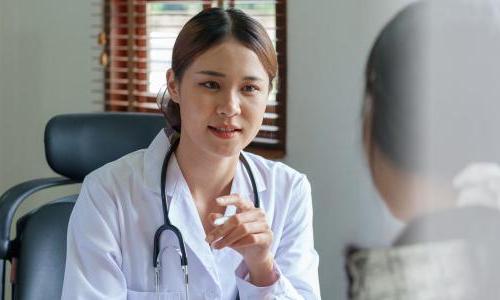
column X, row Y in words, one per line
column 119, row 170
column 270, row 169
column 475, row 224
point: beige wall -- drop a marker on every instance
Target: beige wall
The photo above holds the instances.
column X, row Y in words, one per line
column 45, row 70
column 328, row 43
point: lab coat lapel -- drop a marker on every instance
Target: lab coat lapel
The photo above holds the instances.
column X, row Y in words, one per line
column 242, row 184
column 153, row 161
column 239, row 185
column 184, row 215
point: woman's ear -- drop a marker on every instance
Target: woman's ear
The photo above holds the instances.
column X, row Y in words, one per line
column 173, row 86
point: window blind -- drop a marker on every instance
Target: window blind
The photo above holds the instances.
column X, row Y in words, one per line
column 137, row 38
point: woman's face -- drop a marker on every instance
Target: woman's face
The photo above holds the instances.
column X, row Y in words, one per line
column 406, row 194
column 222, row 97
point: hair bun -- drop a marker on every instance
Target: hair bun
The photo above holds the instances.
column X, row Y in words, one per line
column 171, row 111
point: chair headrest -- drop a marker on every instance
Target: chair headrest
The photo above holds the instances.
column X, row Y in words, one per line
column 77, row 144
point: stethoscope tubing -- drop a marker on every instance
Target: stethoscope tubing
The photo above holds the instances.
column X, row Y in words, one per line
column 168, row 226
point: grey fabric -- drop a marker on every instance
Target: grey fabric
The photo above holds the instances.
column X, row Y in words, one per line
column 478, row 227
column 454, row 252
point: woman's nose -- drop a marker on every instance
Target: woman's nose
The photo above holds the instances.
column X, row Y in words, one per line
column 229, row 105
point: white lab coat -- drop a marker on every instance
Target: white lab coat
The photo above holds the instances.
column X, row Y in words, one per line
column 111, row 229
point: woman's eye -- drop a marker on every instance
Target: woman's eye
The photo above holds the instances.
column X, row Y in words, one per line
column 212, row 85
column 249, row 88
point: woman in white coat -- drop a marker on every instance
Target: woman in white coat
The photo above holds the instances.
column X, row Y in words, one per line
column 223, row 64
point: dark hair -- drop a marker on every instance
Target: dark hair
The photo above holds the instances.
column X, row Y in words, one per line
column 431, row 78
column 209, row 28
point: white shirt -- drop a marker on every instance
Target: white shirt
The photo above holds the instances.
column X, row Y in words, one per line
column 112, row 226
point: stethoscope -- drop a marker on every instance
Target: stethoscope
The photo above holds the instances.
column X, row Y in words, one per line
column 168, row 226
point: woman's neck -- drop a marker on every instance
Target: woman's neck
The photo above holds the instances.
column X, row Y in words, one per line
column 208, row 176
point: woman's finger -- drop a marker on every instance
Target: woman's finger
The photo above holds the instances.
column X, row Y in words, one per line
column 240, row 232
column 234, row 222
column 236, row 200
column 252, row 240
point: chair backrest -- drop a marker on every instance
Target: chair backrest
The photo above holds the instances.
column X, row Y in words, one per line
column 42, row 250
column 75, row 145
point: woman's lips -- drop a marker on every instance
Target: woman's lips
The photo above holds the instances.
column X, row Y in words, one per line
column 224, row 132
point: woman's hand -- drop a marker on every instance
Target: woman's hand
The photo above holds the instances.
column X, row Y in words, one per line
column 248, row 233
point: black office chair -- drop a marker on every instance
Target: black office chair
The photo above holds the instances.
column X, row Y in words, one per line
column 75, row 145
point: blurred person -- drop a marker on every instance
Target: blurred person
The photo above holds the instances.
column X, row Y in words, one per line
column 431, row 137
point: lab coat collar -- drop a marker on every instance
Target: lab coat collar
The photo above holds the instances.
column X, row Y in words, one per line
column 153, row 160
column 242, row 184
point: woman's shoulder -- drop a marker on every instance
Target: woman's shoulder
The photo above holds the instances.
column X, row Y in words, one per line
column 120, row 169
column 276, row 174
column 270, row 169
column 474, row 224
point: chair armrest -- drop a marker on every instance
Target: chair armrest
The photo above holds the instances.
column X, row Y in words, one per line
column 13, row 197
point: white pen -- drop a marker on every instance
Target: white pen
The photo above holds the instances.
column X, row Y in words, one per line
column 230, row 211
